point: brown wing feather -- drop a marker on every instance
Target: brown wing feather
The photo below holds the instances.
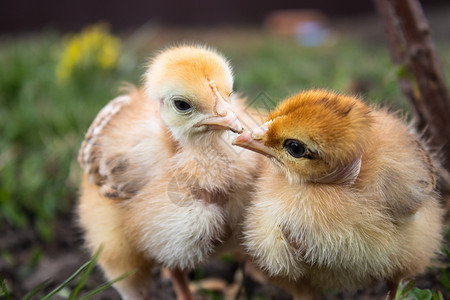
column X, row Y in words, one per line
column 124, row 146
column 90, row 151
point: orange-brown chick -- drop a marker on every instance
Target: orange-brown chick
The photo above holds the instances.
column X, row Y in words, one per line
column 162, row 184
column 347, row 198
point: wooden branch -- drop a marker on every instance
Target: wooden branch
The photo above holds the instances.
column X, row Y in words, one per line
column 423, row 82
column 397, row 49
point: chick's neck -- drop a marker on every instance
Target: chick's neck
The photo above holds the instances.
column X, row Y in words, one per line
column 207, row 167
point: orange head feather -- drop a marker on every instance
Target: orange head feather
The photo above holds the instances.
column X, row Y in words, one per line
column 314, row 134
column 188, row 71
column 193, row 85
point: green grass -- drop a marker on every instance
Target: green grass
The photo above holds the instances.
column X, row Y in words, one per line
column 281, row 68
column 42, row 124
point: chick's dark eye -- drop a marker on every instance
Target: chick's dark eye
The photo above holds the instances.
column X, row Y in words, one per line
column 295, row 148
column 182, row 106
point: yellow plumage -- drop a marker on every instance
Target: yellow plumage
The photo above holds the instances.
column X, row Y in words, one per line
column 162, row 184
column 347, row 197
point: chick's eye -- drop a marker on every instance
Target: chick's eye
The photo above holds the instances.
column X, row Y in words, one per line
column 182, row 106
column 295, row 148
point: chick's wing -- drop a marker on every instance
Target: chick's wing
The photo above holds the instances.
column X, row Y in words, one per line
column 124, row 147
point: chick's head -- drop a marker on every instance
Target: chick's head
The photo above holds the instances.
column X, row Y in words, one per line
column 193, row 86
column 314, row 136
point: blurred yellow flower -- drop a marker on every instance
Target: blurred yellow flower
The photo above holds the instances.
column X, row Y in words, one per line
column 94, row 47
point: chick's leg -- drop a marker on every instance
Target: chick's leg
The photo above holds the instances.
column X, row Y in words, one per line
column 298, row 289
column 181, row 284
column 392, row 286
column 103, row 226
column 133, row 287
column 305, row 294
column 118, row 258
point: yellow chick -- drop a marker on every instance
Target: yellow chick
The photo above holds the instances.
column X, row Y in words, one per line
column 348, row 196
column 162, row 184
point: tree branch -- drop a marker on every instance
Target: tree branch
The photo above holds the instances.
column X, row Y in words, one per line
column 423, row 81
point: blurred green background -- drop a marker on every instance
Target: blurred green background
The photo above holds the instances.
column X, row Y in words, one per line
column 52, row 85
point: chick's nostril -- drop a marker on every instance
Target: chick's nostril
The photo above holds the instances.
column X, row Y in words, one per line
column 220, row 109
column 256, row 136
column 223, row 113
column 259, row 132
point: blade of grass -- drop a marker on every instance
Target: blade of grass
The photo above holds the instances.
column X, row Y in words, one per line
column 403, row 289
column 85, row 275
column 106, row 285
column 4, row 289
column 36, row 289
column 66, row 282
column 437, row 295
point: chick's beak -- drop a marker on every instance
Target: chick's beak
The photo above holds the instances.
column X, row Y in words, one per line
column 224, row 118
column 253, row 141
column 227, row 121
